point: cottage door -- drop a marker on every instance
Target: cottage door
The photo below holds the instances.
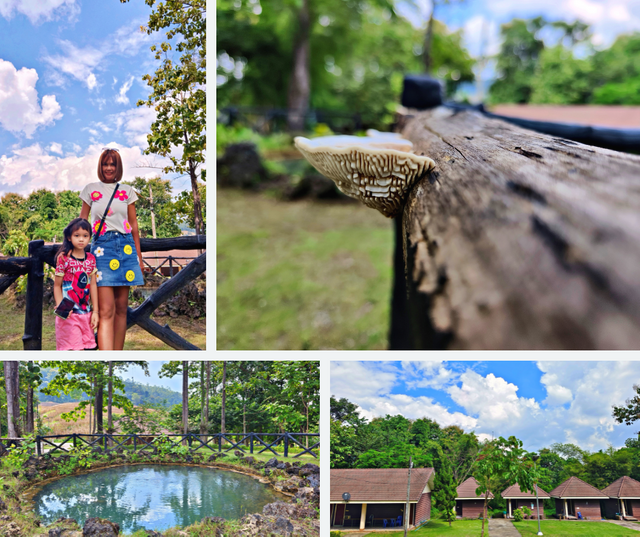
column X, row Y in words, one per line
column 339, row 516
column 459, row 509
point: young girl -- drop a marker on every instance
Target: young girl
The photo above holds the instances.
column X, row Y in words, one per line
column 117, row 248
column 75, row 281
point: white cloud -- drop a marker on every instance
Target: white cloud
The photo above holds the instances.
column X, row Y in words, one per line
column 78, row 63
column 20, row 111
column 30, row 168
column 82, row 63
column 135, row 123
column 37, row 10
column 122, row 94
column 55, row 148
column 491, row 405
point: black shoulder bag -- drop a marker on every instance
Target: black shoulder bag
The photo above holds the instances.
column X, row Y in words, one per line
column 97, row 233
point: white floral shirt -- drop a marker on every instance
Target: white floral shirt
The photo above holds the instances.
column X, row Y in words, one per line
column 97, row 196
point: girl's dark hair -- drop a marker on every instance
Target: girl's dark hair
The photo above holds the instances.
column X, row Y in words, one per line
column 67, row 246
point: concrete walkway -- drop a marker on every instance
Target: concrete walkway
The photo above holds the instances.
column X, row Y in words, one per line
column 626, row 524
column 501, row 527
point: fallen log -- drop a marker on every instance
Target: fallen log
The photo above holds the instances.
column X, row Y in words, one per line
column 517, row 240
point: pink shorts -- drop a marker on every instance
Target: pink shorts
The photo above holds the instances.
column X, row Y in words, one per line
column 74, row 333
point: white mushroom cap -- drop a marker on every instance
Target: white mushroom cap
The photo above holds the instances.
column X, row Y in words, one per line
column 376, row 170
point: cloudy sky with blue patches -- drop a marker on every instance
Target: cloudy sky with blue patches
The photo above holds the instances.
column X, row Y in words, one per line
column 480, row 20
column 538, row 402
column 70, row 76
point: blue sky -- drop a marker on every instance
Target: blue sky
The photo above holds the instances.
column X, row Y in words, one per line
column 481, row 19
column 70, row 76
column 538, row 402
column 134, row 372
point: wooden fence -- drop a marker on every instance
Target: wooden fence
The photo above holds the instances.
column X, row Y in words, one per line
column 39, row 254
column 217, row 442
column 517, row 240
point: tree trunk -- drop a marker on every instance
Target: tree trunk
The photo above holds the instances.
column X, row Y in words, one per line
column 428, row 42
column 518, row 240
column 185, row 398
column 12, row 385
column 197, row 203
column 223, row 425
column 29, row 425
column 299, row 83
column 110, row 403
column 207, row 395
column 99, row 402
column 202, row 390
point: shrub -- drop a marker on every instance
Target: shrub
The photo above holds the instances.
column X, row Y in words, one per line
column 518, row 515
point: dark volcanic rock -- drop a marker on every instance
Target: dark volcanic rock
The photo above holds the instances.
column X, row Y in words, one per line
column 100, row 527
column 271, row 463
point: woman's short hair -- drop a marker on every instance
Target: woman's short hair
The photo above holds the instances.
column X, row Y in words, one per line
column 108, row 154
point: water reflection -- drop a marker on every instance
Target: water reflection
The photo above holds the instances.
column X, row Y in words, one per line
column 152, row 496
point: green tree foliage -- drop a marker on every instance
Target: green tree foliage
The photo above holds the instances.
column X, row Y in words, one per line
column 502, row 462
column 359, row 54
column 517, row 60
column 165, row 211
column 445, row 491
column 560, row 78
column 178, row 90
column 184, row 207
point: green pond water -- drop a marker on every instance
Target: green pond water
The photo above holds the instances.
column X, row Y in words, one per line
column 153, row 496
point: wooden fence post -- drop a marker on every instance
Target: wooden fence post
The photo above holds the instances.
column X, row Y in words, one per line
column 286, row 444
column 32, row 338
column 38, row 446
column 251, row 443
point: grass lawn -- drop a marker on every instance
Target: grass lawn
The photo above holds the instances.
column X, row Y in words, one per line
column 12, row 328
column 562, row 528
column 301, row 275
column 459, row 528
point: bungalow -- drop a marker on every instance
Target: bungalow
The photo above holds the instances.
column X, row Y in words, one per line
column 574, row 496
column 624, row 499
column 517, row 499
column 468, row 503
column 367, row 497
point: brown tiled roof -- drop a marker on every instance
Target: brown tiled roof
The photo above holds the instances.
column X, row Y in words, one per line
column 467, row 490
column 514, row 492
column 576, row 488
column 625, row 487
column 620, row 117
column 378, row 484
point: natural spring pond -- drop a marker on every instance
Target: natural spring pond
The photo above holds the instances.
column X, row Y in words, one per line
column 154, row 497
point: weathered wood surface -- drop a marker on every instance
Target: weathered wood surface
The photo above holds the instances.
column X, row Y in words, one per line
column 14, row 265
column 519, row 240
column 186, row 242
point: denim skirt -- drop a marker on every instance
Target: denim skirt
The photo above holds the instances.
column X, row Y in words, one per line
column 117, row 260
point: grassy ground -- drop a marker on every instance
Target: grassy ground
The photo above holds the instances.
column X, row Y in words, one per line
column 569, row 528
column 12, row 328
column 301, row 275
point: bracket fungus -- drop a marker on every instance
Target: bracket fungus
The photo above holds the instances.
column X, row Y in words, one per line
column 378, row 170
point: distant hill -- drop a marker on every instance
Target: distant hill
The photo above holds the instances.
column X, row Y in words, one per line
column 136, row 392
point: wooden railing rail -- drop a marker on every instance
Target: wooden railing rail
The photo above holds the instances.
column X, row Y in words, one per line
column 220, row 442
column 39, row 254
column 517, row 240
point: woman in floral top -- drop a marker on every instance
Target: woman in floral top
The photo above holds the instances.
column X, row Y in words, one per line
column 116, row 248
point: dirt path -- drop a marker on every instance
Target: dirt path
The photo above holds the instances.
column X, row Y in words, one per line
column 625, row 524
column 501, row 527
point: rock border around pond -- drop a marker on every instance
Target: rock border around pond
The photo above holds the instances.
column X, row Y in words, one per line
column 298, row 516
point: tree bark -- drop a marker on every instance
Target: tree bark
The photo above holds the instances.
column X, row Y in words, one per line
column 207, row 393
column 299, row 83
column 110, row 402
column 185, row 398
column 197, row 202
column 428, row 42
column 12, row 386
column 99, row 403
column 223, row 425
column 518, row 240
